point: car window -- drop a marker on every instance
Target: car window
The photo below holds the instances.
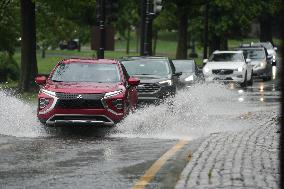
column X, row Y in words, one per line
column 254, row 53
column 86, row 72
column 184, row 66
column 267, row 45
column 147, row 67
column 226, row 57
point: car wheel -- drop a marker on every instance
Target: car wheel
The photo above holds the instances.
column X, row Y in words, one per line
column 266, row 78
column 250, row 82
column 244, row 84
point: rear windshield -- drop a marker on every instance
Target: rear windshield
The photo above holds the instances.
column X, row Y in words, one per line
column 86, row 72
column 226, row 57
column 147, row 67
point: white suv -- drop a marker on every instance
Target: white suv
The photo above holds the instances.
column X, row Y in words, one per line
column 228, row 66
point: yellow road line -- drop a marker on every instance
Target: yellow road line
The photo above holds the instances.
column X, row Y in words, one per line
column 152, row 171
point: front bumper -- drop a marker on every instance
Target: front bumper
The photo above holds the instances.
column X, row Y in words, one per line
column 156, row 96
column 235, row 77
column 100, row 112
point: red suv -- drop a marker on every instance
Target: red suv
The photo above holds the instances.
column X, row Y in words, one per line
column 86, row 91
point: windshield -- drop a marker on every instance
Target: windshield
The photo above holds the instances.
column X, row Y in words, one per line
column 226, row 57
column 147, row 67
column 86, row 72
column 254, row 53
column 184, row 66
column 267, row 45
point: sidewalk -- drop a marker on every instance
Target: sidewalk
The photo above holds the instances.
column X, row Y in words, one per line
column 245, row 159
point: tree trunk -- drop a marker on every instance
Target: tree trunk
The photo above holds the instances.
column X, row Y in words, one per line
column 155, row 39
column 215, row 43
column 43, row 52
column 128, row 40
column 265, row 27
column 28, row 49
column 205, row 42
column 137, row 38
column 182, row 37
column 224, row 43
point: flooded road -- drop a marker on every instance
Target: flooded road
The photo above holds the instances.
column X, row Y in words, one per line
column 34, row 156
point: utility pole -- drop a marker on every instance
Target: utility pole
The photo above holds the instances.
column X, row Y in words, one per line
column 149, row 9
column 101, row 18
column 205, row 47
column 142, row 26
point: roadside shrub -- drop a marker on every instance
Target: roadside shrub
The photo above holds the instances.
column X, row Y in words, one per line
column 9, row 69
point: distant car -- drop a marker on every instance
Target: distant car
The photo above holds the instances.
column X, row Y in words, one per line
column 86, row 91
column 228, row 66
column 189, row 70
column 261, row 61
column 270, row 49
column 69, row 45
column 157, row 75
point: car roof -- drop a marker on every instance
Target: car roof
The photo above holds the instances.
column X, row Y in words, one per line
column 89, row 60
column 222, row 52
column 128, row 58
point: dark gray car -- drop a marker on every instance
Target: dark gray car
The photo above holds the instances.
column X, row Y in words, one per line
column 261, row 61
column 157, row 75
column 189, row 70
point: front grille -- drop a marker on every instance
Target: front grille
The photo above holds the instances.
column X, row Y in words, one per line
column 222, row 71
column 148, row 88
column 79, row 104
column 79, row 101
column 68, row 96
column 79, row 117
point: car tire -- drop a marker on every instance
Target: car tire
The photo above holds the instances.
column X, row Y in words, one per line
column 250, row 82
column 266, row 78
column 244, row 84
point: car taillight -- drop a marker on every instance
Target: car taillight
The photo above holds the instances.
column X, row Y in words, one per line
column 43, row 103
column 118, row 103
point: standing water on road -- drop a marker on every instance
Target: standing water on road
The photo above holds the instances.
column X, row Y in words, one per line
column 194, row 112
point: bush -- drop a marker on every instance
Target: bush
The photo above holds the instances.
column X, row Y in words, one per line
column 9, row 69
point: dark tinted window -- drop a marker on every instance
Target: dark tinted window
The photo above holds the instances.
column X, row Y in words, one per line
column 226, row 57
column 184, row 66
column 254, row 53
column 86, row 72
column 147, row 67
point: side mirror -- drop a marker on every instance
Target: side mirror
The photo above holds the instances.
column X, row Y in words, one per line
column 275, row 48
column 178, row 74
column 40, row 80
column 205, row 61
column 248, row 60
column 133, row 81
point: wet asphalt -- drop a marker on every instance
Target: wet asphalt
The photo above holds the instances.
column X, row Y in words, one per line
column 94, row 158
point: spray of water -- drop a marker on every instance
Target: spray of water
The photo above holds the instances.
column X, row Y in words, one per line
column 17, row 117
column 193, row 112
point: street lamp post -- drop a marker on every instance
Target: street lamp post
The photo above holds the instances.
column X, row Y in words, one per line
column 101, row 17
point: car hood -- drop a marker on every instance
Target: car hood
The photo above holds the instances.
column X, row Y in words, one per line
column 82, row 87
column 151, row 78
column 224, row 65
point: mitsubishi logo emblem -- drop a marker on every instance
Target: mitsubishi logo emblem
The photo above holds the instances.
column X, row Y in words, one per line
column 79, row 97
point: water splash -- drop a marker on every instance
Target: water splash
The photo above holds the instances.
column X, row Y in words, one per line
column 193, row 112
column 17, row 117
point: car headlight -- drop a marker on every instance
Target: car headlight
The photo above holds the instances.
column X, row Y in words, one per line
column 240, row 69
column 206, row 70
column 43, row 102
column 262, row 64
column 113, row 93
column 166, row 82
column 189, row 78
column 49, row 93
